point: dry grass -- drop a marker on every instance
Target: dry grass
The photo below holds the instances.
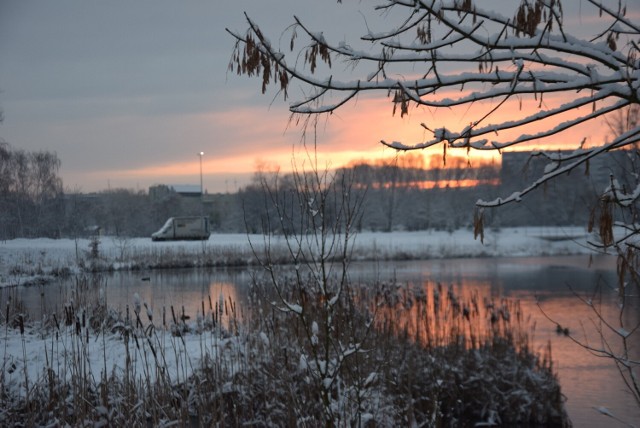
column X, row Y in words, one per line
column 427, row 356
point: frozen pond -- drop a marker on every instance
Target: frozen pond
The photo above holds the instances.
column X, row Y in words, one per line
column 587, row 381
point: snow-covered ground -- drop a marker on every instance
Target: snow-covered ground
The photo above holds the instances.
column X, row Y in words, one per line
column 33, row 260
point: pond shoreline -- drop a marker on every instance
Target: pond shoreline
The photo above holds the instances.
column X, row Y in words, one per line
column 26, row 262
column 237, row 348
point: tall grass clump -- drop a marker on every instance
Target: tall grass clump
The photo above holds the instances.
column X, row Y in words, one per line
column 475, row 357
column 379, row 353
column 88, row 364
column 230, row 366
column 477, row 368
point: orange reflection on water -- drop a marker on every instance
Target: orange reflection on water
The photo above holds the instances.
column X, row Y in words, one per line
column 435, row 315
column 224, row 305
column 188, row 297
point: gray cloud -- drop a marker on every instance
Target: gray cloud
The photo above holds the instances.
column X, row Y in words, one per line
column 112, row 85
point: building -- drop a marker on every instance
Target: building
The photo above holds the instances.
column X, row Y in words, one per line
column 165, row 191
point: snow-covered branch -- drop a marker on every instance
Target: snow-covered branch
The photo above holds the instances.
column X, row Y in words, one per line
column 442, row 45
column 438, row 47
column 557, row 169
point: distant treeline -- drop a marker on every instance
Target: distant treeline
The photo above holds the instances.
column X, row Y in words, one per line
column 31, row 197
column 402, row 194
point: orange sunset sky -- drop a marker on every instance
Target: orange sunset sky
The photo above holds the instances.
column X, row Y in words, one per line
column 128, row 94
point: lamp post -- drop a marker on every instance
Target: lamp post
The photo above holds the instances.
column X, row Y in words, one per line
column 201, row 189
column 204, row 221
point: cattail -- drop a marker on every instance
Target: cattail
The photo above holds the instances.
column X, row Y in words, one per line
column 68, row 315
column 138, row 321
column 136, row 303
column 149, row 312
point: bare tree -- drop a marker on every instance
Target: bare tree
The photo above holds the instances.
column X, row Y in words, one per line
column 30, row 193
column 316, row 214
column 458, row 56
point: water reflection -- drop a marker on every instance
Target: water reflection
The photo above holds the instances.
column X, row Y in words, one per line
column 587, row 381
column 187, row 291
column 437, row 315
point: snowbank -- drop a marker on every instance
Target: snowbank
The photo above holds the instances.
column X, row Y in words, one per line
column 24, row 261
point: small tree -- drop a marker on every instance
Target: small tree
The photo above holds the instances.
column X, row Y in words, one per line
column 456, row 56
column 316, row 216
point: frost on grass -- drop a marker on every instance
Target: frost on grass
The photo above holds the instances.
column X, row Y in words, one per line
column 17, row 255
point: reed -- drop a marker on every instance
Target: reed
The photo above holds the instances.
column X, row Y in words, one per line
column 426, row 355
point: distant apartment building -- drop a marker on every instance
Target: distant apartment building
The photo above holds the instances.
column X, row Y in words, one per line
column 566, row 199
column 164, row 191
column 522, row 168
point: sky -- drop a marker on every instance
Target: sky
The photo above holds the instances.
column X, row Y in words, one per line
column 128, row 93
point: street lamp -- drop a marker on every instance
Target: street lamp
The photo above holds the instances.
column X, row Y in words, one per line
column 201, row 189
column 204, row 222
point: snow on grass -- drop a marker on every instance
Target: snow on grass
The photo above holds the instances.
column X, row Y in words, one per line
column 104, row 368
column 28, row 356
column 24, row 261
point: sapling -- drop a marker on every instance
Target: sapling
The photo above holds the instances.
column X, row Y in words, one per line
column 315, row 214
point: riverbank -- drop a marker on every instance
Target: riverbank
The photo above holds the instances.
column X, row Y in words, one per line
column 37, row 261
column 353, row 362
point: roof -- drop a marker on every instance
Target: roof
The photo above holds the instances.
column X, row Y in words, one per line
column 185, row 188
